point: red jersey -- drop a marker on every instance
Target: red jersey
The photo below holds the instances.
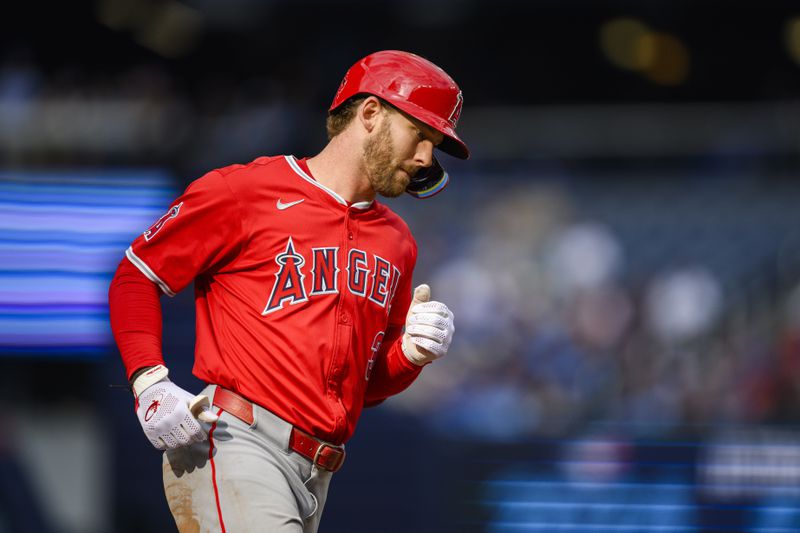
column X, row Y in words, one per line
column 294, row 290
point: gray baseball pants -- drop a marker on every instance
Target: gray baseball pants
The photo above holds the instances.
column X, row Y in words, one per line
column 244, row 479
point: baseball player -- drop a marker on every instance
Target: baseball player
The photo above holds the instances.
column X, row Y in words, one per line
column 305, row 310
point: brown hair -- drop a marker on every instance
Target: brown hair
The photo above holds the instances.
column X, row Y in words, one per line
column 340, row 117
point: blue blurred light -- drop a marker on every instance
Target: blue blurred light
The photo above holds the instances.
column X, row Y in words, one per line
column 61, row 236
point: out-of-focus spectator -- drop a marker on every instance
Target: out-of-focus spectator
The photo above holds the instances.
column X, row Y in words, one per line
column 583, row 256
column 683, row 304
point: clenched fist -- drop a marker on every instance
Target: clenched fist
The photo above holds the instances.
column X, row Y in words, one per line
column 429, row 328
column 168, row 414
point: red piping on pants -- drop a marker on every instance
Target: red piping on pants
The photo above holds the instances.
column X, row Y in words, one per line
column 214, row 471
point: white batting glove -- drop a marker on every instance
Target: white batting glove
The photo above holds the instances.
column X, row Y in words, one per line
column 429, row 328
column 168, row 414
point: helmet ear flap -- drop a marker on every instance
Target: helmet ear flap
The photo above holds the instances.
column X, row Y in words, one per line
column 428, row 181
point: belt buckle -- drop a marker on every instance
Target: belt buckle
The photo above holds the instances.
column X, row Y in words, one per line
column 335, row 467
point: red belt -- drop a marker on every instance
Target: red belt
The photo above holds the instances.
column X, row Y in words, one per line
column 322, row 454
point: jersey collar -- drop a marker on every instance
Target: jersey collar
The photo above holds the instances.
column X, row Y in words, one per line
column 300, row 172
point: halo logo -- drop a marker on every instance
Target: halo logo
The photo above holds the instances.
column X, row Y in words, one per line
column 456, row 113
column 376, row 345
column 151, row 410
column 169, row 215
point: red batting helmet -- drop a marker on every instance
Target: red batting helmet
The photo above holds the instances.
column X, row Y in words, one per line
column 412, row 84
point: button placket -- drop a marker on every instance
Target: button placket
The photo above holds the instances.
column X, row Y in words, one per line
column 344, row 321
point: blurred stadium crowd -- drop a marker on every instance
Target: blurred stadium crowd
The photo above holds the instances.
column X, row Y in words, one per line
column 656, row 305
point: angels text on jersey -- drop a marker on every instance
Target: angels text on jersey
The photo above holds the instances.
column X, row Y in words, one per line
column 367, row 275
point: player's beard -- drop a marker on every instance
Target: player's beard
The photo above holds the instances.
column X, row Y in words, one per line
column 383, row 171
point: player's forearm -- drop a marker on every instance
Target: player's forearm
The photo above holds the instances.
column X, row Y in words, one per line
column 393, row 372
column 135, row 313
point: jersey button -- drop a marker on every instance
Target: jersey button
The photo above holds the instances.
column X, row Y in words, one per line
column 350, row 235
column 345, row 318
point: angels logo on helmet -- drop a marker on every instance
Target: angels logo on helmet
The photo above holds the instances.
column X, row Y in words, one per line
column 456, row 114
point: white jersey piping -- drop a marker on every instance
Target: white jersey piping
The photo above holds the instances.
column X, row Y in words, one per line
column 149, row 274
column 293, row 163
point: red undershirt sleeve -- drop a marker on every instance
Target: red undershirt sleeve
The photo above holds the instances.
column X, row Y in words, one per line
column 393, row 372
column 135, row 313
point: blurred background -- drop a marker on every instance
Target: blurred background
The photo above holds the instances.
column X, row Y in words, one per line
column 621, row 254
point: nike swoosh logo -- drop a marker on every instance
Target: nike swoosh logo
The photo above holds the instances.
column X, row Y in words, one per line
column 280, row 205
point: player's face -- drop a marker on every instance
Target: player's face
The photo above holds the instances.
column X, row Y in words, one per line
column 399, row 149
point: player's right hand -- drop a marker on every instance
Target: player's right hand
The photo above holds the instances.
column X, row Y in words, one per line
column 168, row 414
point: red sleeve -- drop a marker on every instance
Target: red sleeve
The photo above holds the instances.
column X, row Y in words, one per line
column 393, row 372
column 202, row 231
column 135, row 312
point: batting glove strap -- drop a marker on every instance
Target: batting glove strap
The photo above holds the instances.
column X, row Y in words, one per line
column 429, row 332
column 152, row 376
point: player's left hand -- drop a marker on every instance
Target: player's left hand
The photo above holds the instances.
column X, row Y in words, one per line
column 429, row 328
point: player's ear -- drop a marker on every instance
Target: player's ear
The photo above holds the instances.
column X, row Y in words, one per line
column 370, row 113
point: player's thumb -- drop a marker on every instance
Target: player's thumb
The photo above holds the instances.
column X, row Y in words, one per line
column 207, row 416
column 199, row 407
column 419, row 354
column 421, row 294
